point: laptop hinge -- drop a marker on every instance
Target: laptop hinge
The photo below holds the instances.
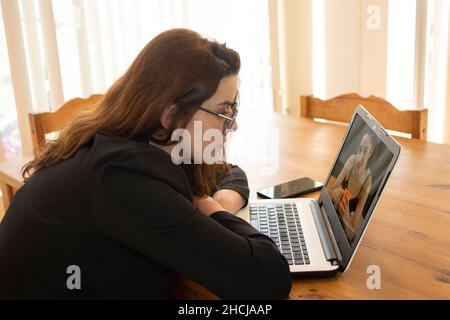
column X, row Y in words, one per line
column 327, row 239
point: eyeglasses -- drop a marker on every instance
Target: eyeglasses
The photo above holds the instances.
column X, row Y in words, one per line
column 229, row 119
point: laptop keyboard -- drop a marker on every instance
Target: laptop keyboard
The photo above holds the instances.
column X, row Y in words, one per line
column 281, row 223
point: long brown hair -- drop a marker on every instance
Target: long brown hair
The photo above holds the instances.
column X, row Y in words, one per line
column 178, row 67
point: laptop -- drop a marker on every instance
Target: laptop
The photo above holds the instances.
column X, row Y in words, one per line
column 321, row 236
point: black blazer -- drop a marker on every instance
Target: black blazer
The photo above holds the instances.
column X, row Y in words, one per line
column 122, row 212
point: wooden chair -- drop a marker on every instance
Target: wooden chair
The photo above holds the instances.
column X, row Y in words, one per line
column 48, row 122
column 41, row 124
column 341, row 109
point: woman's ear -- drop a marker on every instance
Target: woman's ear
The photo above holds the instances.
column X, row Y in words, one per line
column 167, row 117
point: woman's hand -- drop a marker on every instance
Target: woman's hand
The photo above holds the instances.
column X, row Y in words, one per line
column 336, row 195
column 344, row 209
column 231, row 200
column 207, row 205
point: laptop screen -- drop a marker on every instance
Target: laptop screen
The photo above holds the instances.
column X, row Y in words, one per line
column 356, row 176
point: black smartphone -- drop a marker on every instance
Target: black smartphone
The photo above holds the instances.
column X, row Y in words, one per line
column 291, row 189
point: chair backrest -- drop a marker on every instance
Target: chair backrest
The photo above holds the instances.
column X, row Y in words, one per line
column 341, row 109
column 47, row 122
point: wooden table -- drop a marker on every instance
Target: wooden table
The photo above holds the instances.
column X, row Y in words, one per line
column 408, row 238
column 10, row 179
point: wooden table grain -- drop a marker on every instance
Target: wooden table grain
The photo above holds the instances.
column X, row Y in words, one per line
column 408, row 238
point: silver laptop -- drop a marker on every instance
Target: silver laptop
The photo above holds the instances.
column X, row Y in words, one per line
column 321, row 236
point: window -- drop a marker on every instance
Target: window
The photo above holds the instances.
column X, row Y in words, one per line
column 102, row 37
column 96, row 40
column 10, row 146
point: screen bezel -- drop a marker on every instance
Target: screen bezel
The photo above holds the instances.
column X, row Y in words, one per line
column 393, row 146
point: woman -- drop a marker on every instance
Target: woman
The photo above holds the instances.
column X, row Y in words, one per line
column 350, row 190
column 107, row 200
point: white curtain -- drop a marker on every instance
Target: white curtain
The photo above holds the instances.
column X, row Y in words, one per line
column 437, row 90
column 61, row 49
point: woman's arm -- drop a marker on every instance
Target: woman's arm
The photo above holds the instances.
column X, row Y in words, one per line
column 344, row 172
column 348, row 228
column 336, row 187
column 230, row 200
column 233, row 191
column 222, row 252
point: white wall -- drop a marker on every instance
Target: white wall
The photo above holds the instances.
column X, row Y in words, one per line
column 373, row 49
